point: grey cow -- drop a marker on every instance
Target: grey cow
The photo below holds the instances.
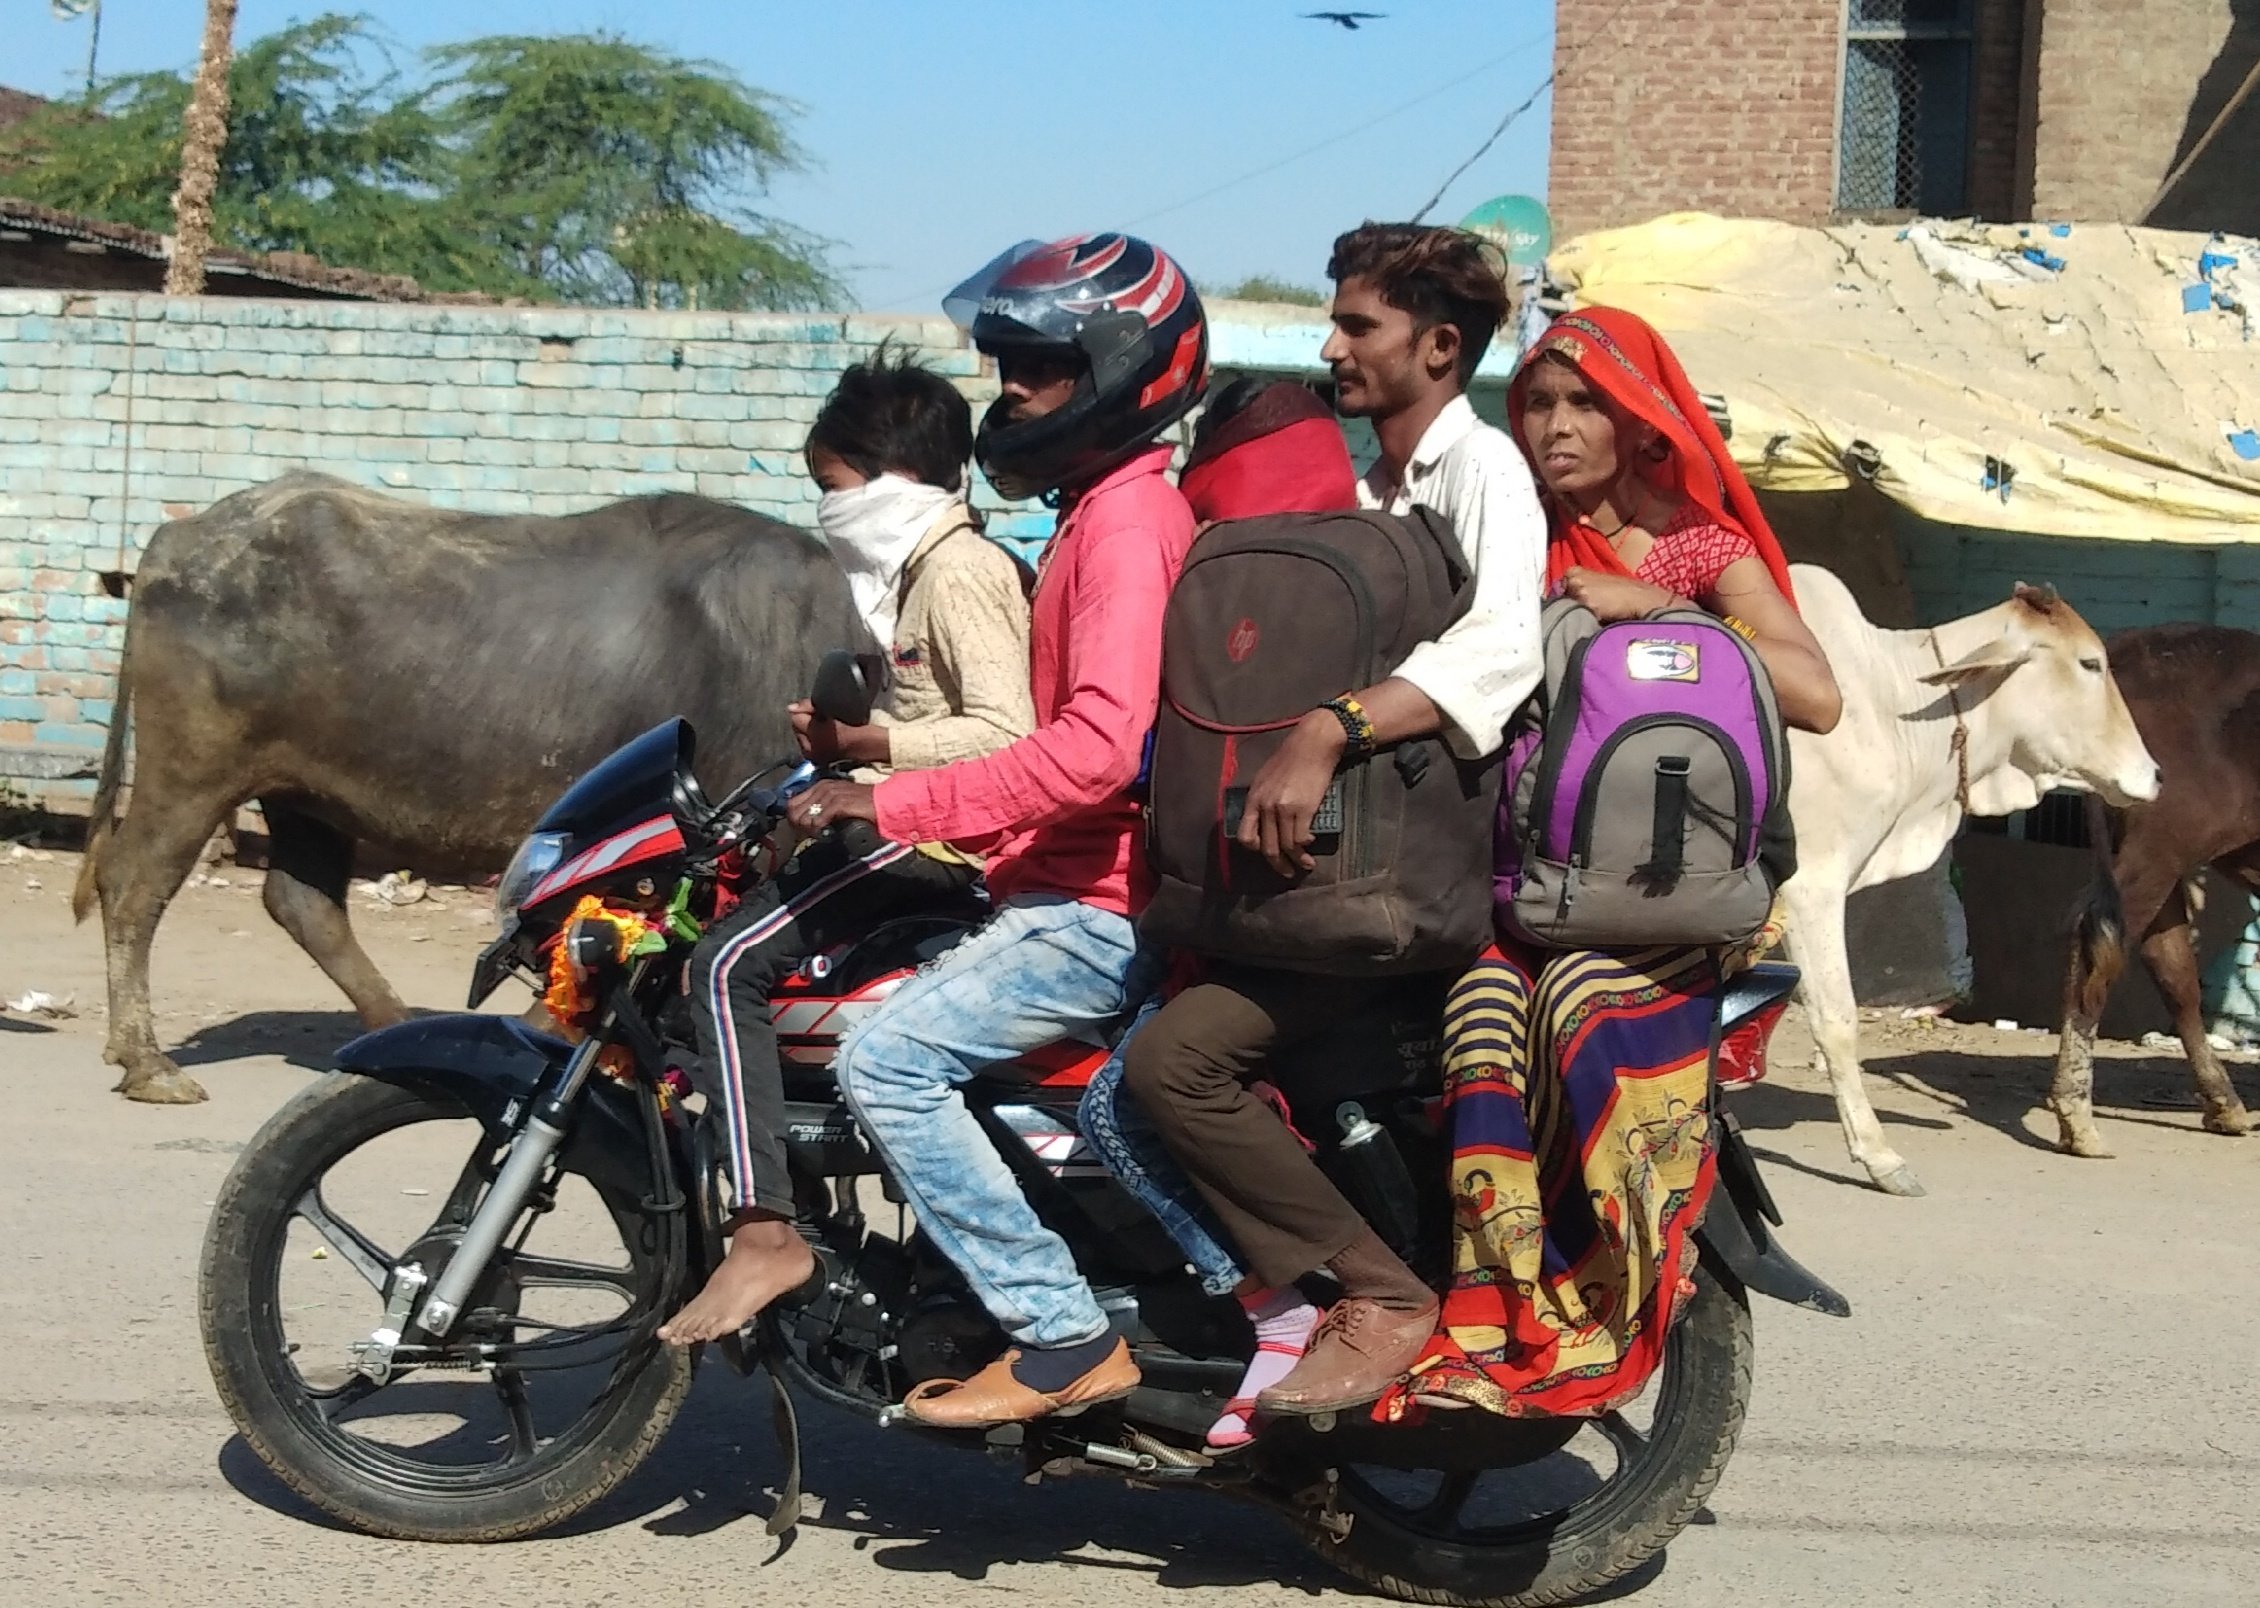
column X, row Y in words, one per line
column 371, row 669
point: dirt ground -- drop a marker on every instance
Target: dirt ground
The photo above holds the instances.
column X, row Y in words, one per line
column 2043, row 1397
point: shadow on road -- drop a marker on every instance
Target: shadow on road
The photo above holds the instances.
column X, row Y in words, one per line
column 915, row 1506
column 1999, row 1091
column 308, row 1039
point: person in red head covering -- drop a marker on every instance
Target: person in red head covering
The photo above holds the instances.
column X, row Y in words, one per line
column 1644, row 505
column 1267, row 448
column 1570, row 1266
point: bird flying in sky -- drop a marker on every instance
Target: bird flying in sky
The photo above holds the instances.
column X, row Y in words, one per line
column 1348, row 19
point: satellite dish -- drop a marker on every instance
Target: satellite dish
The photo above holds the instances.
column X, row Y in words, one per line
column 963, row 302
column 1517, row 225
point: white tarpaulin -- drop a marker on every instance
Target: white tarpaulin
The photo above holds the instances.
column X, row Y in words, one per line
column 2084, row 380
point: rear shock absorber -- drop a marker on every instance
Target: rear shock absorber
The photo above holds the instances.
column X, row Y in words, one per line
column 1381, row 1187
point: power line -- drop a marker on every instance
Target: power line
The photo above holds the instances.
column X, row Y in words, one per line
column 1505, row 123
column 1346, row 134
column 1561, row 58
column 1425, row 98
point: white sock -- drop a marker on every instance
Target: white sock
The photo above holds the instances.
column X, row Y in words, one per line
column 1283, row 1321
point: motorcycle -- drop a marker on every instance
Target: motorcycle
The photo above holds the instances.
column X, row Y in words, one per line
column 523, row 1383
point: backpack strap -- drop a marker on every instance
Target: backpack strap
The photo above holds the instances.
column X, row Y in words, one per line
column 1437, row 531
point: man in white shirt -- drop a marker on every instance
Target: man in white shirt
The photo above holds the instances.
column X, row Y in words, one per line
column 1414, row 310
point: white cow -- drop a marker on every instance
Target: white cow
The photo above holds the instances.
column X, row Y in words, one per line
column 1981, row 716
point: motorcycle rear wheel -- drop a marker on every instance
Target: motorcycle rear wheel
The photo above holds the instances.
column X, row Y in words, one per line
column 305, row 1432
column 1424, row 1553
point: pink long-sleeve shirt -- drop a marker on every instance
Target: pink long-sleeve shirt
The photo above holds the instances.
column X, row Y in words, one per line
column 1053, row 811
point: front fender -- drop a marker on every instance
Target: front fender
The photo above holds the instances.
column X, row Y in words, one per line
column 492, row 1064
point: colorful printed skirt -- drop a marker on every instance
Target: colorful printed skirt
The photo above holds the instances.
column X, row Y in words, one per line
column 1577, row 1092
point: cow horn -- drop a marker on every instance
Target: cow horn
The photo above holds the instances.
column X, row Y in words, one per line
column 2042, row 597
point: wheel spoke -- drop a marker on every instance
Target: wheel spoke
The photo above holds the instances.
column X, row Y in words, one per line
column 1443, row 1509
column 1629, row 1442
column 329, row 1403
column 360, row 1252
column 456, row 1210
column 552, row 1272
column 510, row 1385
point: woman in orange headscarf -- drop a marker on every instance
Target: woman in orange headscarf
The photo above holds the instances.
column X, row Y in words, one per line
column 1646, row 507
column 1577, row 1083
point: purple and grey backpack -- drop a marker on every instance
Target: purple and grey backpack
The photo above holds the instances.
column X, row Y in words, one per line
column 1646, row 798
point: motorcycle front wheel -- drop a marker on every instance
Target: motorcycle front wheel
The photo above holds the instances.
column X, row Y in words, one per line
column 1604, row 1497
column 548, row 1393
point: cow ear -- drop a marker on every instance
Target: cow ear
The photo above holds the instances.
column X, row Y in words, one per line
column 2002, row 653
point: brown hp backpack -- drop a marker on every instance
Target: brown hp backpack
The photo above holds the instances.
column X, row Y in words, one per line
column 1271, row 617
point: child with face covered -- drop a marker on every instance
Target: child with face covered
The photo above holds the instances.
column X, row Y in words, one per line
column 889, row 450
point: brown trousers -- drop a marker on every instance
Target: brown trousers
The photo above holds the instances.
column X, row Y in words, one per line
column 1189, row 1069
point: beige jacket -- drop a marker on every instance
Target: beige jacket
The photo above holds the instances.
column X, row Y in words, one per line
column 959, row 661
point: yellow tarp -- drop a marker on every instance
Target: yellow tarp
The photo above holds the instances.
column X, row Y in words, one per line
column 2111, row 406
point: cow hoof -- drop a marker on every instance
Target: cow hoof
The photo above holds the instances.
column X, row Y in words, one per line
column 2235, row 1122
column 1900, row 1181
column 173, row 1087
column 2089, row 1144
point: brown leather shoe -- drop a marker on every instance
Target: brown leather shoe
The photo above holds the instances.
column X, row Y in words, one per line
column 1360, row 1350
column 992, row 1396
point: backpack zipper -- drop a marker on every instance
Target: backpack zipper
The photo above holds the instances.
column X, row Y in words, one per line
column 1588, row 802
column 1560, row 727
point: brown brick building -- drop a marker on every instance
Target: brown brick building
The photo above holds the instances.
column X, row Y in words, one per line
column 1811, row 109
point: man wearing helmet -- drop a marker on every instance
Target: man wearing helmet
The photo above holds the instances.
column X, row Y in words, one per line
column 1101, row 345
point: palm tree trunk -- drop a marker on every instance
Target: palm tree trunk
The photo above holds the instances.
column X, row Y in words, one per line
column 203, row 133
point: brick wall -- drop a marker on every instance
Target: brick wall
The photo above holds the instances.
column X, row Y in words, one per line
column 2118, row 82
column 118, row 412
column 2000, row 151
column 1666, row 105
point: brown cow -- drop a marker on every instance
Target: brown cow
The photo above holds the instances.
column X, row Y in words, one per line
column 2194, row 691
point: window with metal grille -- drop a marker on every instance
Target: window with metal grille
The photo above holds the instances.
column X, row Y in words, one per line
column 1905, row 143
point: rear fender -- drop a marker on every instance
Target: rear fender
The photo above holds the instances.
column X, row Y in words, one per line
column 1737, row 1233
column 492, row 1064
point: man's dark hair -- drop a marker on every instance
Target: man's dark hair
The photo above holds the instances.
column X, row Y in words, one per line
column 1440, row 276
column 891, row 413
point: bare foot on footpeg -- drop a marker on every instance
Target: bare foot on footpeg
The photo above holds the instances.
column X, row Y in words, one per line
column 768, row 1259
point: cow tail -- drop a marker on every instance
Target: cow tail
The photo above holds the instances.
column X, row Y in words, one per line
column 103, row 819
column 2099, row 925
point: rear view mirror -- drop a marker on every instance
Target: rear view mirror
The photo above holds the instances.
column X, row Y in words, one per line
column 845, row 688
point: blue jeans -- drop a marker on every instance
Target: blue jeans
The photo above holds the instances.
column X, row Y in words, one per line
column 1041, row 968
column 1115, row 1127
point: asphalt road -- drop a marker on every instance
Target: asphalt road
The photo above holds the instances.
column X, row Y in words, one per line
column 2044, row 1395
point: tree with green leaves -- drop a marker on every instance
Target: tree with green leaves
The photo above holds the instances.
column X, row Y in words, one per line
column 582, row 169
column 614, row 173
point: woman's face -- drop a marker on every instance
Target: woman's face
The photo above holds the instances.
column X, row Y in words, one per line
column 1573, row 432
column 832, row 472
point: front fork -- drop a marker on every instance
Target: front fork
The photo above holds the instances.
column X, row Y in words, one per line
column 540, row 1133
column 522, row 1167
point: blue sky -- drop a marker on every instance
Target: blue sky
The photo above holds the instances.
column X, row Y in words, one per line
column 944, row 130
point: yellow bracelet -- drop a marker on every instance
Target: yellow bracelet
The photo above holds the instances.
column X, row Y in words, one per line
column 1739, row 628
column 1357, row 725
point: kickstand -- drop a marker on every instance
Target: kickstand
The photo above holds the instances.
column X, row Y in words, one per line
column 787, row 1425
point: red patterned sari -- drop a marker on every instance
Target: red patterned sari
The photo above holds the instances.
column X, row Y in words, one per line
column 1577, row 1085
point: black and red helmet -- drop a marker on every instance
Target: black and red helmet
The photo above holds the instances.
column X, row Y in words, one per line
column 1127, row 312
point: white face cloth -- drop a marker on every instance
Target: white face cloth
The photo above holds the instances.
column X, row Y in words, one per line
column 872, row 530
